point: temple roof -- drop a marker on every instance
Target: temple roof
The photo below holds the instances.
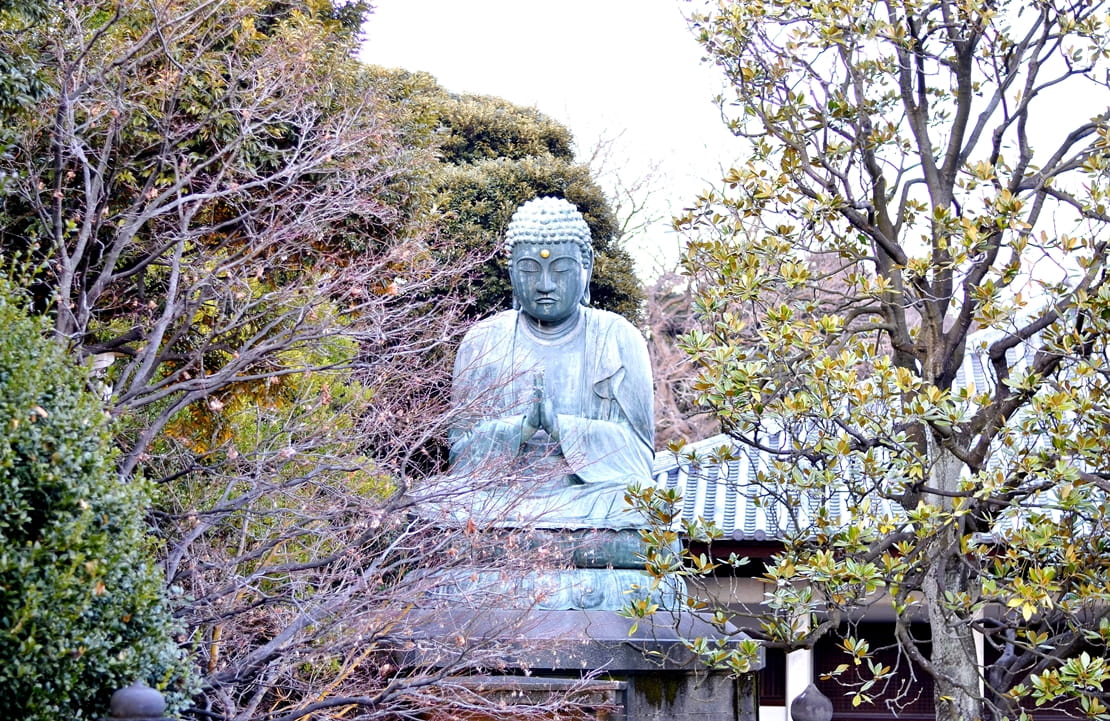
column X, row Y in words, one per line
column 728, row 492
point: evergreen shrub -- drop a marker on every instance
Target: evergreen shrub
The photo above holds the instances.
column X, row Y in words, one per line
column 82, row 607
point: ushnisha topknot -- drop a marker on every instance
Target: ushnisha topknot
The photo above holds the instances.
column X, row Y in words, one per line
column 549, row 220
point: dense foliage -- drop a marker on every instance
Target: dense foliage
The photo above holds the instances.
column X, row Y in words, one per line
column 82, row 611
column 230, row 224
column 494, row 156
column 905, row 307
column 202, row 213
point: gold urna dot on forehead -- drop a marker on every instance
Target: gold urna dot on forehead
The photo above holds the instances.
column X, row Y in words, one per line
column 545, row 253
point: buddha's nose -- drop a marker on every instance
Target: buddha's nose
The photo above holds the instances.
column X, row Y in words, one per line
column 546, row 284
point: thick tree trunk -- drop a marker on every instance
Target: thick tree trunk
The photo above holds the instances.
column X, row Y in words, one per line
column 954, row 658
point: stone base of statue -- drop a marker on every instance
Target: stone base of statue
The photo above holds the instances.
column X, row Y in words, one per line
column 549, row 586
column 640, row 672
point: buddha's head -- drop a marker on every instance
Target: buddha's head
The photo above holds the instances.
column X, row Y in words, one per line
column 550, row 259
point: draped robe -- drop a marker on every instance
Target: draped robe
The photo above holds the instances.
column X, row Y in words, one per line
column 598, row 377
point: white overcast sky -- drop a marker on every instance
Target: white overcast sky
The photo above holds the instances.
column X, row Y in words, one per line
column 619, row 69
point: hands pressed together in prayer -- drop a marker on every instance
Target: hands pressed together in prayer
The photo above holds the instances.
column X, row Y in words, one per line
column 541, row 415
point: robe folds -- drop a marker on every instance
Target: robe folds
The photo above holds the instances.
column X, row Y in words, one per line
column 598, row 377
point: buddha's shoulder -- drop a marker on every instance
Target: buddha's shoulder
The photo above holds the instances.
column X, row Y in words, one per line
column 496, row 325
column 610, row 322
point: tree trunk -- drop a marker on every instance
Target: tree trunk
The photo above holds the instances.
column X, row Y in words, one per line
column 954, row 659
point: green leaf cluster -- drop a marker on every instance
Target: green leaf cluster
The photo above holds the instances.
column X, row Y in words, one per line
column 82, row 611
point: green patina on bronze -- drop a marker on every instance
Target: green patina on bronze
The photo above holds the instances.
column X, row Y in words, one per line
column 556, row 421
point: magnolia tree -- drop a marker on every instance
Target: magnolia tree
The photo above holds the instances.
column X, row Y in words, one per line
column 210, row 201
column 904, row 305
